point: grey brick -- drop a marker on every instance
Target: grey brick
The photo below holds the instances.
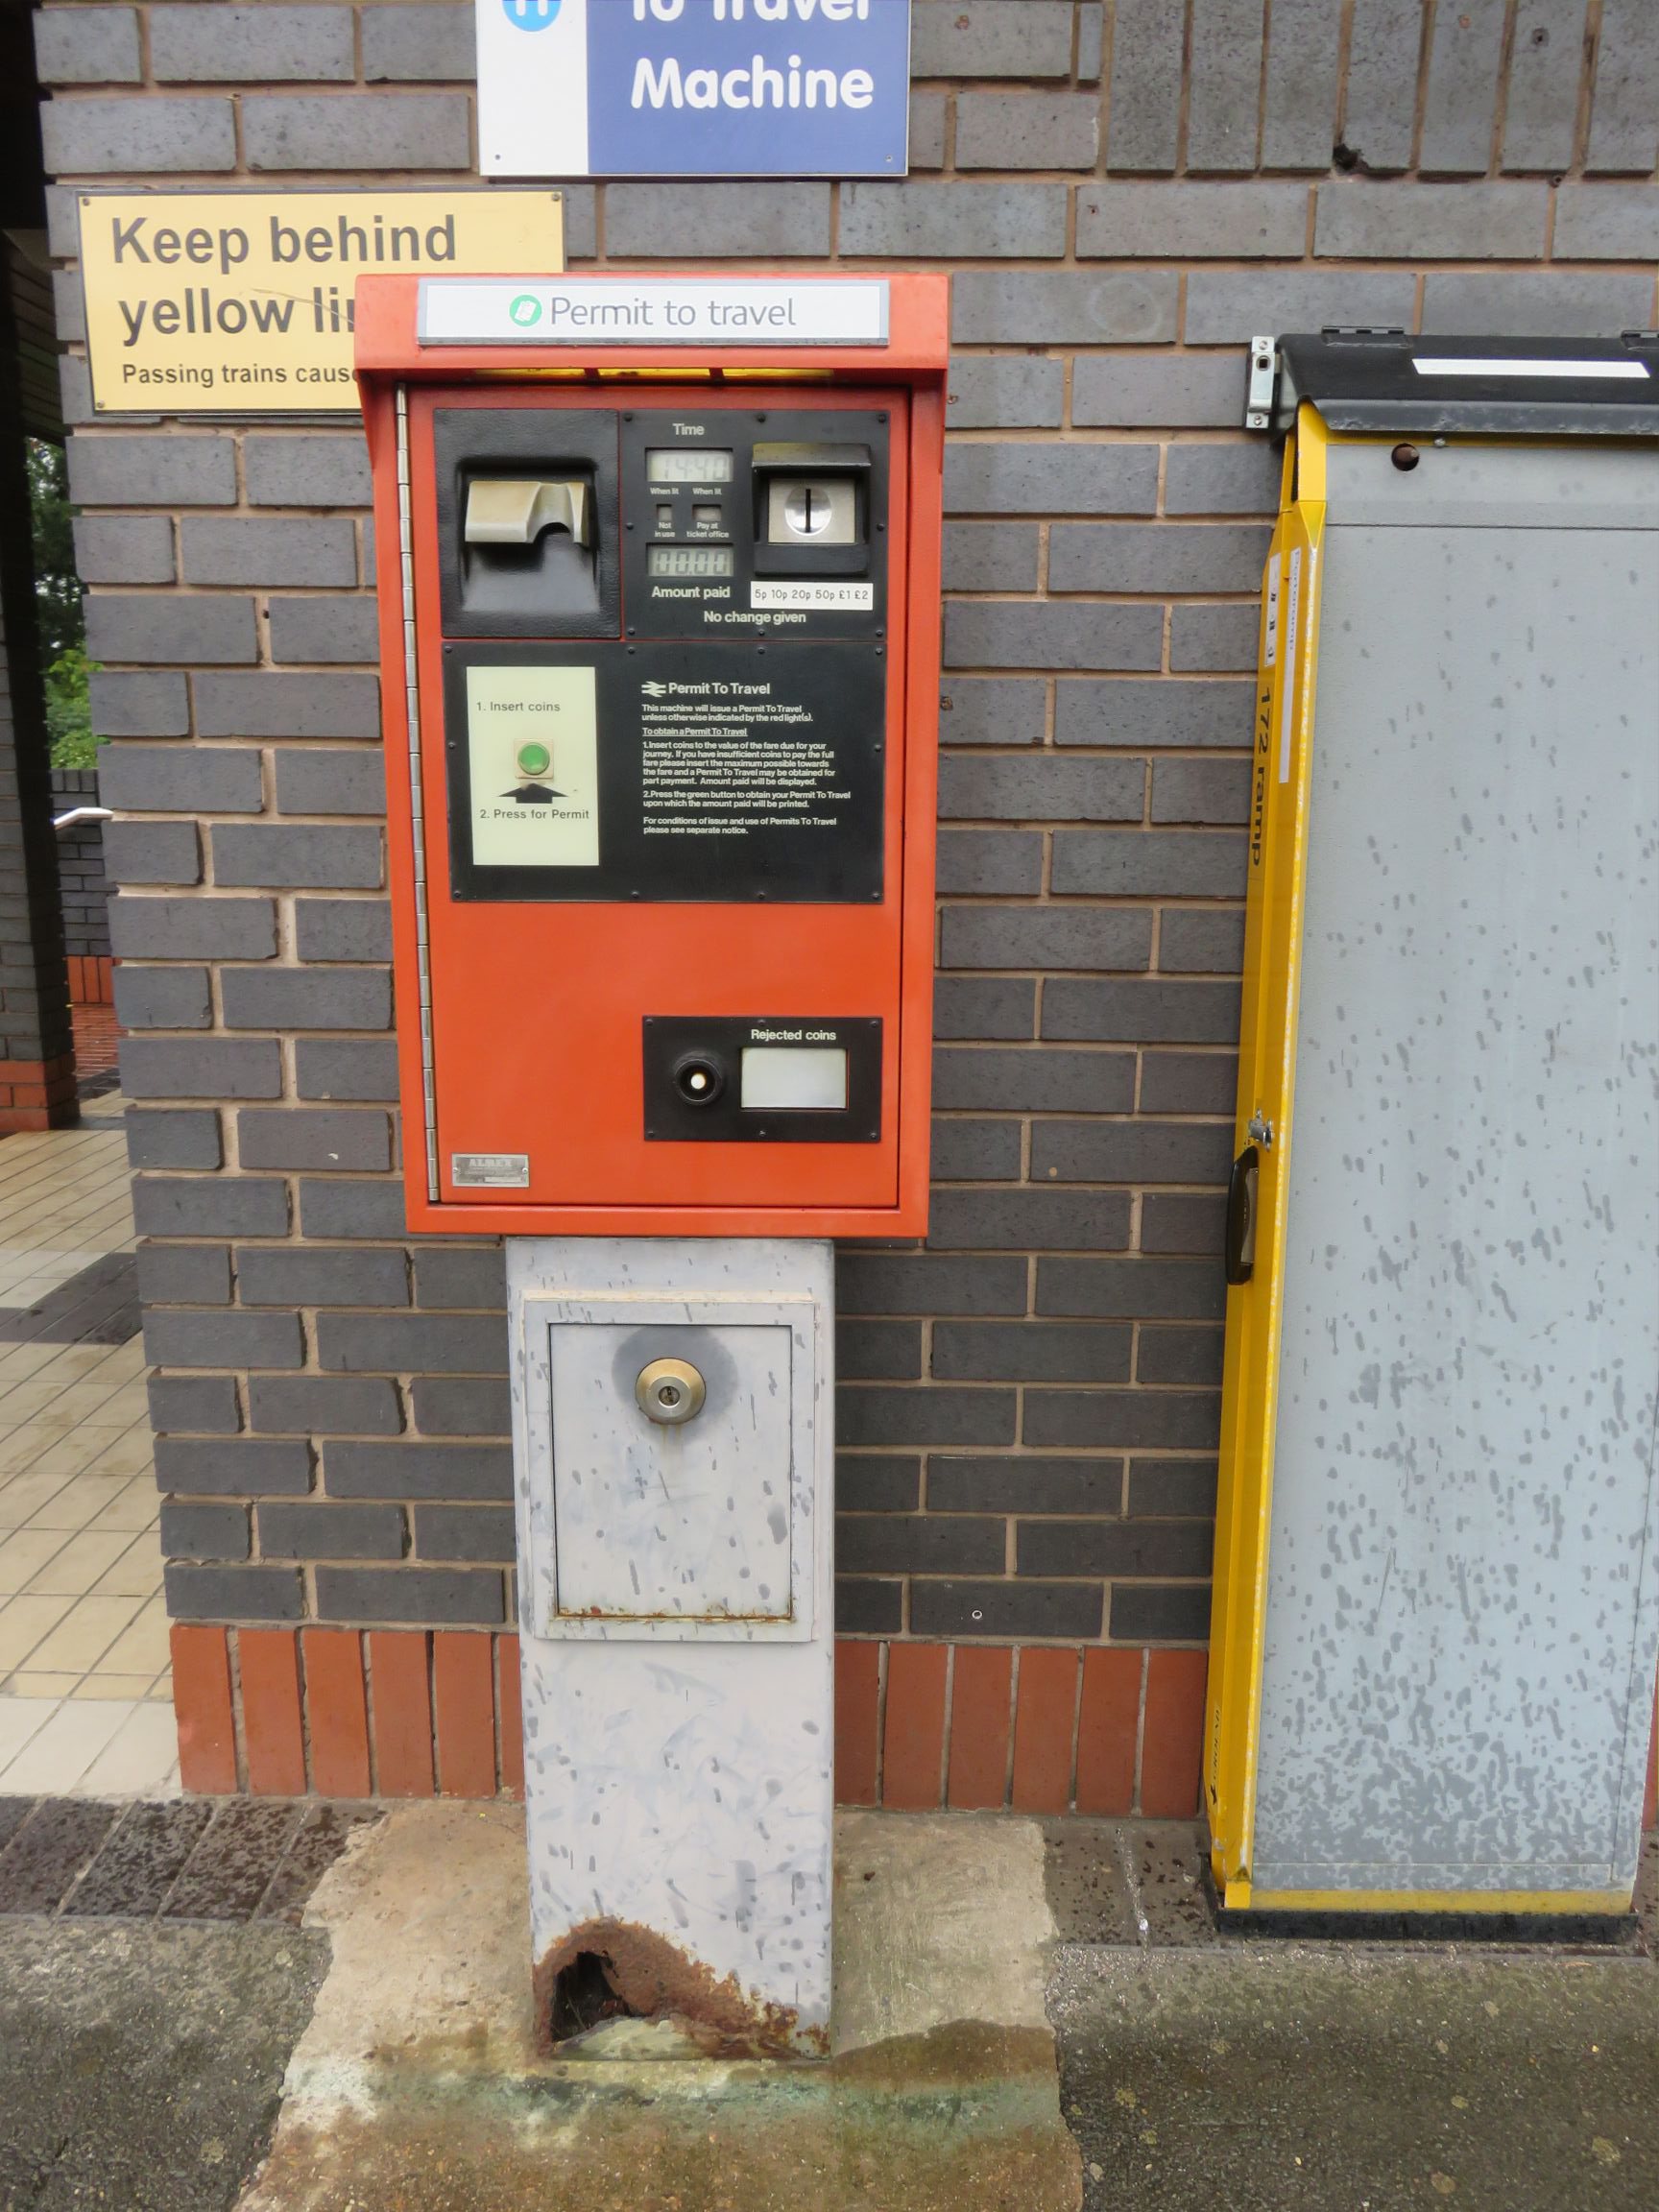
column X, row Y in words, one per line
column 1023, row 1221
column 129, row 705
column 868, row 1485
column 180, row 778
column 326, row 627
column 1461, row 98
column 1045, row 937
column 200, row 1531
column 445, row 1406
column 1471, row 222
column 927, row 131
column 1224, row 88
column 974, row 1151
column 482, row 1534
column 1201, row 940
column 123, row 549
column 1040, row 786
column 352, row 1207
column 425, row 1597
column 1132, row 392
column 342, row 928
column 201, row 1067
column 1213, row 639
column 1540, row 111
column 1024, row 1484
column 121, row 469
column 1606, row 223
column 234, row 1593
column 946, row 1608
column 984, row 1007
column 1172, row 1488
column 410, row 1343
column 205, row 1403
column 157, row 626
column 1304, row 51
column 269, row 549
column 1145, row 125
column 246, row 45
column 1041, row 1081
column 179, row 1336
column 1188, row 1082
column 69, row 311
column 1081, row 307
column 1030, row 633
column 1221, row 480
column 152, row 853
column 210, row 1205
column 87, row 46
column 1101, row 1151
column 1382, row 64
column 363, row 130
column 407, row 44
column 355, row 1068
column 1538, row 303
column 878, row 1352
column 1162, row 557
column 898, row 1413
column 244, row 1466
column 163, row 998
column 918, row 1544
column 1148, row 863
column 1226, row 307
column 1168, row 221
column 307, row 858
column 75, row 384
column 664, row 221
column 320, row 781
column 274, row 704
column 1027, row 130
column 1180, row 1221
column 305, row 999
column 1117, row 1548
column 186, row 1138
column 307, row 469
column 1201, row 791
column 1030, row 1351
column 312, row 1136
column 1143, row 1614
column 997, row 392
column 1132, row 1290
column 193, row 929
column 461, row 1275
column 991, row 222
column 1174, row 1420
column 993, row 711
column 142, row 135
column 316, row 1531
column 1624, row 117
column 411, row 1470
column 990, row 863
column 184, row 1274
column 1163, row 712
column 991, row 557
column 989, row 38
column 928, row 1283
column 1029, row 476
column 333, row 1405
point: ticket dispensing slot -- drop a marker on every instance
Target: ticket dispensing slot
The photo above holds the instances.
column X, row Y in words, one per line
column 526, row 508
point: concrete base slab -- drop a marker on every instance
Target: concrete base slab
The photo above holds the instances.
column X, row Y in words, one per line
column 417, row 2085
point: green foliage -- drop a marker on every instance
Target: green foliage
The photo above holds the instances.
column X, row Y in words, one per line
column 57, row 612
column 68, row 711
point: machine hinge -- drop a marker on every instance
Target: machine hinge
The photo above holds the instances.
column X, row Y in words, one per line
column 1263, row 379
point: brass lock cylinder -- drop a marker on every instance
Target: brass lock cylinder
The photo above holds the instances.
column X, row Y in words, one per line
column 669, row 1392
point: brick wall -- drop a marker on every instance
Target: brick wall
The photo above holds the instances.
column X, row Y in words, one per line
column 1029, row 1405
column 83, row 888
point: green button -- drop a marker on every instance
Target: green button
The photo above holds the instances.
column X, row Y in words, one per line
column 534, row 760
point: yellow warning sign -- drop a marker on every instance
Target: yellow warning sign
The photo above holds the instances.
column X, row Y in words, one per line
column 240, row 303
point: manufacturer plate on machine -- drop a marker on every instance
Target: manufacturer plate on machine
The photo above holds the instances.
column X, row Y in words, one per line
column 490, row 1170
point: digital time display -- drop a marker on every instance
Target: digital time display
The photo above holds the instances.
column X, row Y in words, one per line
column 687, row 560
column 687, row 465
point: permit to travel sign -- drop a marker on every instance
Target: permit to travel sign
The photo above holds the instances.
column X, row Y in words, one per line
column 241, row 303
column 693, row 87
